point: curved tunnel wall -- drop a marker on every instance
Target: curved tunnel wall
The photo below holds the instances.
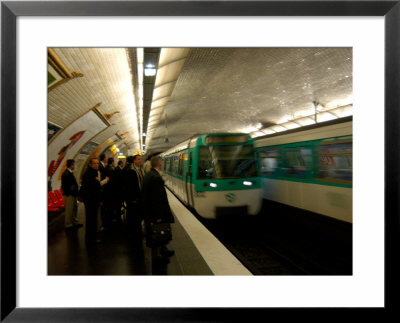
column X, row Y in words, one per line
column 68, row 142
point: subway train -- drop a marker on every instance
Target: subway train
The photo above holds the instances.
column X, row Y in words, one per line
column 309, row 168
column 215, row 174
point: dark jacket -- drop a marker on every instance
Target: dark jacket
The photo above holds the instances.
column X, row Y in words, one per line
column 155, row 200
column 119, row 180
column 102, row 170
column 90, row 190
column 69, row 184
column 132, row 188
column 109, row 188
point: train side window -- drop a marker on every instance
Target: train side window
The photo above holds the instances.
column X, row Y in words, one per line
column 335, row 162
column 169, row 165
column 296, row 161
column 269, row 162
column 190, row 163
column 180, row 166
column 175, row 162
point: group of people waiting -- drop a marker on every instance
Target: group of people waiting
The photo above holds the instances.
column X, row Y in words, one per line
column 105, row 190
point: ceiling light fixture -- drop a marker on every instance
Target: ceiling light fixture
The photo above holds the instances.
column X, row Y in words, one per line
column 306, row 120
column 169, row 66
column 251, row 128
column 150, row 70
column 140, row 59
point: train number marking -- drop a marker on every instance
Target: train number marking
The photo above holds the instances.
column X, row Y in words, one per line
column 230, row 197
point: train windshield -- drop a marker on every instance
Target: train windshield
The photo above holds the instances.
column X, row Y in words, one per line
column 233, row 161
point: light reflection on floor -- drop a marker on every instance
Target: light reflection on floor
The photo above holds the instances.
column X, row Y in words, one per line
column 115, row 255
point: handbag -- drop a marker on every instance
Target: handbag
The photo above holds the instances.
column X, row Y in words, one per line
column 160, row 234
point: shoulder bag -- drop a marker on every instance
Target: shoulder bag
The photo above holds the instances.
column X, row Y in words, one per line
column 160, row 234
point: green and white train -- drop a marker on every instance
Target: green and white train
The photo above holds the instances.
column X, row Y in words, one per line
column 310, row 168
column 215, row 174
column 226, row 174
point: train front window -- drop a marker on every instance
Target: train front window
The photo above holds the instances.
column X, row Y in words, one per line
column 234, row 161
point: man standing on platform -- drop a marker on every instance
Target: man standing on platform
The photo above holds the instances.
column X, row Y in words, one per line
column 108, row 193
column 90, row 192
column 102, row 165
column 119, row 189
column 156, row 206
column 133, row 200
column 69, row 187
column 102, row 212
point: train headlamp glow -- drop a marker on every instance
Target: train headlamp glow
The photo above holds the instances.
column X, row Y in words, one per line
column 247, row 183
column 213, row 185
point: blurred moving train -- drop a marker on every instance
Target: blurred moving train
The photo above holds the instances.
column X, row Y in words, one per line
column 226, row 174
column 215, row 174
column 310, row 168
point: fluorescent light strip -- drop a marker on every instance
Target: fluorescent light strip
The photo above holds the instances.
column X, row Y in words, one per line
column 335, row 113
column 140, row 58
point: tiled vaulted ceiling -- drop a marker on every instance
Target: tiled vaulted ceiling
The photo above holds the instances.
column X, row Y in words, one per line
column 201, row 90
column 106, row 82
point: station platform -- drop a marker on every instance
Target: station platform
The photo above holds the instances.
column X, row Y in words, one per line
column 197, row 251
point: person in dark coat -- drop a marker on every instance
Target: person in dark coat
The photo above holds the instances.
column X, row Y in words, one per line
column 108, row 195
column 102, row 165
column 69, row 187
column 156, row 207
column 90, row 193
column 125, row 171
column 134, row 183
column 119, row 187
column 129, row 162
column 102, row 217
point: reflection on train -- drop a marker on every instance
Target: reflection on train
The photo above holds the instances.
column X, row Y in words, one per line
column 310, row 169
column 216, row 174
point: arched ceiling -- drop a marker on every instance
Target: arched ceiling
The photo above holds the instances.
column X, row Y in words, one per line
column 199, row 90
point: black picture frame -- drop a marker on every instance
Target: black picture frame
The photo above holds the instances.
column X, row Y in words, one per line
column 10, row 10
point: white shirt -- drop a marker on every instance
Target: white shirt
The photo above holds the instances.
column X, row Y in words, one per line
column 104, row 181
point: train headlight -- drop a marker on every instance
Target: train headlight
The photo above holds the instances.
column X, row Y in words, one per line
column 247, row 183
column 213, row 184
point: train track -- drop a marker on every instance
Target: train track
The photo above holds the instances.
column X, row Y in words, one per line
column 291, row 246
column 274, row 250
column 260, row 259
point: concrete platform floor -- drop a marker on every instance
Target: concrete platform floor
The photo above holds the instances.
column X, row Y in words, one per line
column 118, row 253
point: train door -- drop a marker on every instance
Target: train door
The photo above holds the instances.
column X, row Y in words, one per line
column 189, row 180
